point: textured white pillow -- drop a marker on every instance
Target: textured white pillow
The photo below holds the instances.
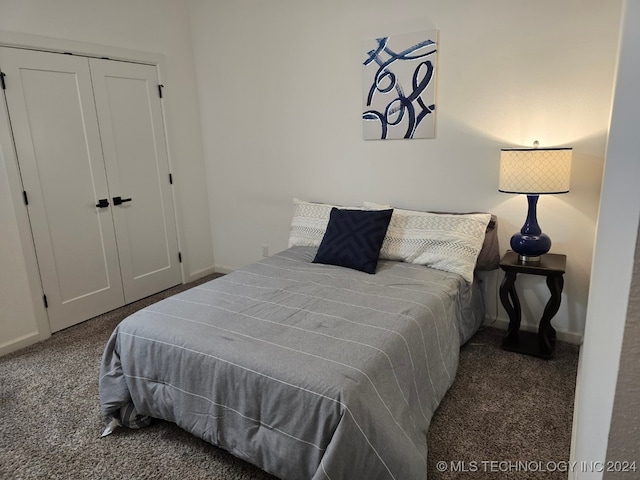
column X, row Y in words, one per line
column 442, row 241
column 309, row 222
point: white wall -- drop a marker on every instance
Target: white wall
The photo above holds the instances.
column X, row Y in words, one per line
column 155, row 26
column 280, row 90
column 613, row 260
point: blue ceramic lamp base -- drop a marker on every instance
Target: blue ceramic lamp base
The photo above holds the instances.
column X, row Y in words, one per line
column 530, row 243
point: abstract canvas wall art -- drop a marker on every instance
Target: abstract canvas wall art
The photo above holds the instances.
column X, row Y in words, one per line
column 399, row 74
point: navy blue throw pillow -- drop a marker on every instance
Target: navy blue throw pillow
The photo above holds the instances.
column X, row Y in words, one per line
column 353, row 238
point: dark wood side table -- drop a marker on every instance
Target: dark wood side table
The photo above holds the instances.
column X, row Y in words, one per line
column 541, row 344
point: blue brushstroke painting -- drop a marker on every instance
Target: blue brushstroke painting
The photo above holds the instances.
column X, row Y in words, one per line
column 399, row 92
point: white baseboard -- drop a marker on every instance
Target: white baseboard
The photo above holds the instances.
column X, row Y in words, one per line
column 21, row 342
column 201, row 273
column 221, row 269
column 503, row 324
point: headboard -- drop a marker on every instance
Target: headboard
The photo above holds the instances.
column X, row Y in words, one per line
column 489, row 256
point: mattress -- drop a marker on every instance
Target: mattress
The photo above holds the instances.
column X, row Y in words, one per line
column 305, row 370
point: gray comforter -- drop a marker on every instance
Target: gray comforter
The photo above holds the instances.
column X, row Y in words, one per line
column 307, row 371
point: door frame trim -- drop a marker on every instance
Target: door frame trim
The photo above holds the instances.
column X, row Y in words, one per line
column 43, row 330
column 57, row 45
column 27, row 41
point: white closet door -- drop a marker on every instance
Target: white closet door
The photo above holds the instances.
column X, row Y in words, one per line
column 133, row 142
column 55, row 128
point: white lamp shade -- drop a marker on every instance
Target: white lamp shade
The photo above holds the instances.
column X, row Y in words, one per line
column 535, row 171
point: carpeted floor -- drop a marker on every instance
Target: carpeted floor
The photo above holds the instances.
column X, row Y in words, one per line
column 503, row 408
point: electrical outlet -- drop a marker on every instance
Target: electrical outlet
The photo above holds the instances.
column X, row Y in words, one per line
column 265, row 250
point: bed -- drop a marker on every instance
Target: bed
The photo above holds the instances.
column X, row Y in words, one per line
column 307, row 370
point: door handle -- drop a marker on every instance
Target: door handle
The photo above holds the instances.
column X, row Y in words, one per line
column 102, row 203
column 119, row 200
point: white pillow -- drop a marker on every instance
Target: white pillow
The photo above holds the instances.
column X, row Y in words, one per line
column 448, row 242
column 309, row 222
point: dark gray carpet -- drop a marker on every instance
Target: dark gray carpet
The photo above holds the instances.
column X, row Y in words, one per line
column 503, row 407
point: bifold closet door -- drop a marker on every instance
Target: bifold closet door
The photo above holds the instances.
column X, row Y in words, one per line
column 134, row 147
column 57, row 141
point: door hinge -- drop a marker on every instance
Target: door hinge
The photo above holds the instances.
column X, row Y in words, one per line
column 46, row 304
column 171, row 179
column 180, row 257
column 24, row 196
column 2, row 84
column 160, row 87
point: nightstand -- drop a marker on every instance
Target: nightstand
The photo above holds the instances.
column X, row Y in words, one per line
column 552, row 266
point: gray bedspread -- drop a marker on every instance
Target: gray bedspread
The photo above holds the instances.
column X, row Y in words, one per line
column 308, row 371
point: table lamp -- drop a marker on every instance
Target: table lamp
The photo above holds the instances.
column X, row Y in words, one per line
column 534, row 172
